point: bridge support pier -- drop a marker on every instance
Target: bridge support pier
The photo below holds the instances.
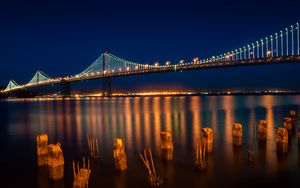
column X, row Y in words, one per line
column 65, row 89
column 106, row 86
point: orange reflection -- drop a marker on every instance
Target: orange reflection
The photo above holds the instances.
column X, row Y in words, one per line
column 271, row 157
column 167, row 112
column 68, row 121
column 59, row 120
column 128, row 125
column 196, row 117
column 182, row 115
column 78, row 121
column 146, row 111
column 228, row 105
column 213, row 108
column 93, row 116
column 137, row 127
column 157, row 119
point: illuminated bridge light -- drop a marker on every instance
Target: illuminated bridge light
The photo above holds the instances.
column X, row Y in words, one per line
column 195, row 59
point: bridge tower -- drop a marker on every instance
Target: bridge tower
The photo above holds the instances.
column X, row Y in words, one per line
column 106, row 80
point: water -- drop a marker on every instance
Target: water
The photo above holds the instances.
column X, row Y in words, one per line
column 139, row 121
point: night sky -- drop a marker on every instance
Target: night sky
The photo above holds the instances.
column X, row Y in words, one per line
column 63, row 38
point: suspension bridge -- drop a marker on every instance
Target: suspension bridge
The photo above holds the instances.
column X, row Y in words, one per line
column 279, row 48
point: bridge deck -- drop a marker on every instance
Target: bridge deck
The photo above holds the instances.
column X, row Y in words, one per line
column 161, row 69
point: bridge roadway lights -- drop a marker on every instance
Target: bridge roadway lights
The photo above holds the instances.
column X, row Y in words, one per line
column 65, row 89
column 106, row 87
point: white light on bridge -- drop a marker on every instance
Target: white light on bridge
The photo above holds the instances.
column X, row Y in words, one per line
column 195, row 59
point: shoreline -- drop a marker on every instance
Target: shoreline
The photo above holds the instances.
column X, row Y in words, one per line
column 163, row 94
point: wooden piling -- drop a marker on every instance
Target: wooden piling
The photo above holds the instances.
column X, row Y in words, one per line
column 81, row 178
column 55, row 162
column 292, row 115
column 208, row 138
column 262, row 130
column 237, row 134
column 93, row 144
column 119, row 154
column 289, row 125
column 166, row 145
column 153, row 179
column 282, row 140
column 201, row 148
column 251, row 155
column 42, row 149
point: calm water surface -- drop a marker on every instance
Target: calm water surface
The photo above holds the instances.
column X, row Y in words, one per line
column 139, row 121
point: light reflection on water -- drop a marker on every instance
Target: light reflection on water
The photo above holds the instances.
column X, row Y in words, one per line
column 139, row 121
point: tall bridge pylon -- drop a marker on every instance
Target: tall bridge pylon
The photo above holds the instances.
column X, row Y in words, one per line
column 11, row 85
column 38, row 77
column 106, row 85
column 107, row 65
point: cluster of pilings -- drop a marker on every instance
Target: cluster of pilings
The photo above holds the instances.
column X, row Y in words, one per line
column 282, row 134
column 51, row 156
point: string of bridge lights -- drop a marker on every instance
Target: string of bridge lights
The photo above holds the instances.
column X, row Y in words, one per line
column 284, row 43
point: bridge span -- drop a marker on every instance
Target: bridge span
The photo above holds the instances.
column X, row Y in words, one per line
column 279, row 48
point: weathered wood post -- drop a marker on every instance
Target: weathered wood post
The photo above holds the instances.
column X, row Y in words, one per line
column 153, row 179
column 81, row 178
column 119, row 154
column 262, row 130
column 200, row 161
column 55, row 162
column 166, row 145
column 251, row 155
column 93, row 147
column 208, row 138
column 288, row 124
column 42, row 149
column 292, row 114
column 237, row 134
column 282, row 140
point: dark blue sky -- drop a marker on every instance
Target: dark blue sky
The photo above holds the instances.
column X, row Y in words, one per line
column 64, row 37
